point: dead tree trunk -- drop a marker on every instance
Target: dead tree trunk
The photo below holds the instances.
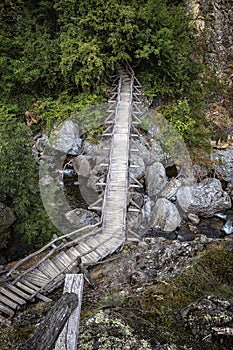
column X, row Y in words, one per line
column 48, row 331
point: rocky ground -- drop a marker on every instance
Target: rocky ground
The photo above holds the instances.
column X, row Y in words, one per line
column 157, row 294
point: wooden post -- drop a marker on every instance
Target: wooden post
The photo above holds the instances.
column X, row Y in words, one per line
column 49, row 330
column 68, row 338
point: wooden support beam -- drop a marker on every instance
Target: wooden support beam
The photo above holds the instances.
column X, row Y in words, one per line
column 48, row 331
column 134, row 166
column 134, row 210
column 95, row 208
column 68, row 338
column 134, row 234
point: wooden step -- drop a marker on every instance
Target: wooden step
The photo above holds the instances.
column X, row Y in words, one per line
column 27, row 285
column 94, row 243
column 24, row 286
column 8, row 302
column 35, row 278
column 6, row 310
column 83, row 248
column 18, row 291
column 62, row 260
column 49, row 269
column 12, row 296
column 65, row 259
column 73, row 253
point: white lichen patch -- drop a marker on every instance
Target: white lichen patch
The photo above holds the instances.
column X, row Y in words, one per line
column 103, row 331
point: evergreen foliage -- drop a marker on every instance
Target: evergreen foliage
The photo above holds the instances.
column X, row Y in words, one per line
column 19, row 180
column 60, row 53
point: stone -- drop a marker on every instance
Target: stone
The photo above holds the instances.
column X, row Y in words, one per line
column 165, row 216
column 193, row 218
column 170, row 190
column 65, row 136
column 157, row 153
column 228, row 227
column 81, row 217
column 155, row 178
column 222, row 163
column 76, row 148
column 210, row 311
column 204, row 199
column 105, row 329
column 138, row 172
column 46, row 181
column 81, row 165
column 7, row 217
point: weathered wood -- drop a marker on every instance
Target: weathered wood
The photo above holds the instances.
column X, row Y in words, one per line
column 48, row 331
column 69, row 336
column 19, row 292
column 12, row 296
column 6, row 310
column 8, row 302
column 32, row 289
column 70, row 234
column 93, row 247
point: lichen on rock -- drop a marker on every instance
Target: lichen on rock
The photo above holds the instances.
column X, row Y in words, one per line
column 105, row 331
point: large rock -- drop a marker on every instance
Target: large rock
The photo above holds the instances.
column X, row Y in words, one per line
column 211, row 311
column 204, row 199
column 7, row 217
column 81, row 165
column 165, row 216
column 171, row 189
column 81, row 217
column 155, row 178
column 107, row 330
column 65, row 137
column 222, row 163
column 139, row 171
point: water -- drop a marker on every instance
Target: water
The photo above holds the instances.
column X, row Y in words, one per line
column 72, row 192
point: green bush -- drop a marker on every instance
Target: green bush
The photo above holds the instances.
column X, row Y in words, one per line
column 19, row 187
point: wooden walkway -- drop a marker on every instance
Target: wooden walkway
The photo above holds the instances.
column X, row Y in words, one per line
column 90, row 244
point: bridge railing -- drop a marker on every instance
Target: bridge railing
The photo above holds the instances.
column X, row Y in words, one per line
column 55, row 248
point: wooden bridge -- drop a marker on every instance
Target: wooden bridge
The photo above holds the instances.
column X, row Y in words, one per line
column 90, row 244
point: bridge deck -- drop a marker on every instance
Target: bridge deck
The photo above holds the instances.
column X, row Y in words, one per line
column 104, row 238
column 115, row 203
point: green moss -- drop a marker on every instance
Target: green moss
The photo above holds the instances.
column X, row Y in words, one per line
column 211, row 274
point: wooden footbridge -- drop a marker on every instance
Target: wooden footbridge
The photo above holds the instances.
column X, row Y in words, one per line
column 28, row 281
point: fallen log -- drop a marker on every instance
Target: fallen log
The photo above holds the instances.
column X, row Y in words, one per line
column 48, row 330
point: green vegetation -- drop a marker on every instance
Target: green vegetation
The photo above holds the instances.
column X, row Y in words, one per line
column 56, row 58
column 19, row 187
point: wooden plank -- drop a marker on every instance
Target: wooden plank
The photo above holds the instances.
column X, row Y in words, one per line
column 6, row 310
column 73, row 253
column 57, row 261
column 8, row 302
column 12, row 296
column 47, row 332
column 48, row 270
column 68, row 338
column 64, row 258
column 19, row 292
column 33, row 278
column 27, row 285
